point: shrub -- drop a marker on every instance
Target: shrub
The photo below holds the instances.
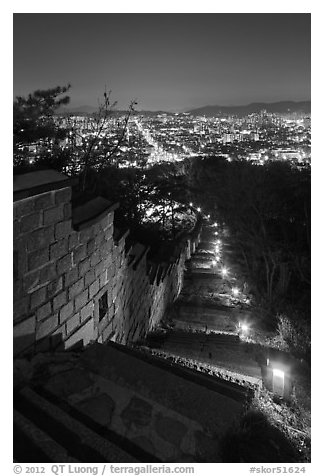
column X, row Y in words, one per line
column 295, row 333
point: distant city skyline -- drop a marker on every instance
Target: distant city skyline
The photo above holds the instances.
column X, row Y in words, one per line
column 167, row 62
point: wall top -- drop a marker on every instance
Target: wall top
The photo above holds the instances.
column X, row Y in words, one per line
column 36, row 182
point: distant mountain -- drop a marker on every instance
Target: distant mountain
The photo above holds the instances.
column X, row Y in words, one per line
column 279, row 107
column 77, row 110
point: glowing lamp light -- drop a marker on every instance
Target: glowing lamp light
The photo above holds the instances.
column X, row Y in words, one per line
column 217, row 258
column 190, row 204
column 278, row 373
column 235, row 292
column 218, row 242
column 214, row 262
column 199, row 209
column 224, row 272
column 244, row 327
column 216, row 233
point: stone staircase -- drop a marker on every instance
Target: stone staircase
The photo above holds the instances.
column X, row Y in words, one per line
column 48, row 429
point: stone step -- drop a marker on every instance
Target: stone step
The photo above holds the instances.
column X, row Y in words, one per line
column 79, row 441
column 33, row 445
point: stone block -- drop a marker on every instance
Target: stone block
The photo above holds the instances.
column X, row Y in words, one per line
column 64, row 264
column 85, row 333
column 43, row 201
column 59, row 249
column 71, row 277
column 63, row 195
column 62, row 228
column 137, row 414
column 54, row 287
column 44, row 311
column 31, row 281
column 40, row 238
column 94, row 289
column 21, row 308
column 46, row 327
column 30, row 222
column 169, row 429
column 23, row 207
column 53, row 215
column 47, row 273
column 86, row 234
column 99, row 268
column 84, row 266
column 81, row 300
column 87, row 311
column 37, row 259
column 99, row 408
column 72, row 323
column 73, row 239
column 67, row 211
column 89, row 277
column 91, row 246
column 79, row 254
column 59, row 301
column 99, row 239
column 24, row 335
column 76, row 289
column 38, row 298
column 66, row 312
column 95, row 258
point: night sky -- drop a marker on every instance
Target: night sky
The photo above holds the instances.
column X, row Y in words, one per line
column 165, row 61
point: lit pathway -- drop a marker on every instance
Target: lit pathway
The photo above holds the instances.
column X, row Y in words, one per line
column 210, row 309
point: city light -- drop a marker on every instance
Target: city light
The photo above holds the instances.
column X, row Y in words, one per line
column 191, row 204
column 199, row 209
column 214, row 262
column 216, row 233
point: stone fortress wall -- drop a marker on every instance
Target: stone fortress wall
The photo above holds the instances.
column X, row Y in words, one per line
column 75, row 280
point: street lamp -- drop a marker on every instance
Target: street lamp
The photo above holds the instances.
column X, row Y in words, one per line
column 235, row 292
column 224, row 272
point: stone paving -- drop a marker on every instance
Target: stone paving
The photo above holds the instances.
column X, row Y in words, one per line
column 213, row 301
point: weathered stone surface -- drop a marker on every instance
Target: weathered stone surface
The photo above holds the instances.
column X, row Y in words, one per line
column 76, row 288
column 145, row 444
column 59, row 249
column 66, row 312
column 63, row 195
column 54, row 287
column 53, row 215
column 44, row 200
column 79, row 254
column 60, row 300
column 40, row 238
column 38, row 258
column 138, row 413
column 63, row 228
column 23, row 207
column 206, row 448
column 46, row 327
column 38, row 298
column 24, row 335
column 94, row 288
column 43, row 311
column 73, row 323
column 69, row 383
column 87, row 311
column 71, row 277
column 81, row 300
column 30, row 222
column 89, row 277
column 64, row 264
column 100, row 408
column 21, row 308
